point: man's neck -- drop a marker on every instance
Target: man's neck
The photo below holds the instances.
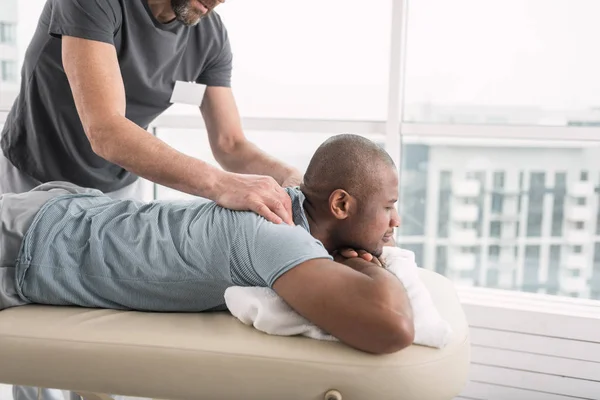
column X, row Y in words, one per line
column 162, row 11
column 319, row 227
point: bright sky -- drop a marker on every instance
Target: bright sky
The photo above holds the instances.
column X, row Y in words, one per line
column 333, row 59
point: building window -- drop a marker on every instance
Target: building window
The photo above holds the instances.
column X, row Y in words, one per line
column 597, row 191
column 580, row 225
column 492, row 278
column 498, row 192
column 466, row 274
column 416, row 248
column 577, row 249
column 497, row 203
column 581, row 201
column 583, row 176
column 441, row 260
column 8, row 33
column 8, row 71
column 553, row 269
column 520, row 201
column 531, row 268
column 560, row 189
column 495, row 229
column 414, row 190
column 494, row 253
column 536, row 204
column 480, row 176
column 597, row 259
column 444, row 203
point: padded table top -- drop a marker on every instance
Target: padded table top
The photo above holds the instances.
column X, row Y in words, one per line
column 214, row 356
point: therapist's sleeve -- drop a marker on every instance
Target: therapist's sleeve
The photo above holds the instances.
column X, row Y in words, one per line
column 97, row 20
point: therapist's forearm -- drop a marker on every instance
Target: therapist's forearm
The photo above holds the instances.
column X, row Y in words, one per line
column 122, row 142
column 246, row 158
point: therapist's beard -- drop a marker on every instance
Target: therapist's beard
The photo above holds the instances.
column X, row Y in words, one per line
column 186, row 13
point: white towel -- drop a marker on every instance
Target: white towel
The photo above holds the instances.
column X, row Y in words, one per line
column 262, row 308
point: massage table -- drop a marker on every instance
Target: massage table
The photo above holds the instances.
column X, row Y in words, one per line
column 213, row 356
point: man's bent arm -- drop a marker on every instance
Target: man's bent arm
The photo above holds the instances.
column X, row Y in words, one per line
column 360, row 303
column 95, row 79
column 230, row 146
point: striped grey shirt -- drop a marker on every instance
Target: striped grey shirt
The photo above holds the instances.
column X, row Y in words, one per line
column 89, row 250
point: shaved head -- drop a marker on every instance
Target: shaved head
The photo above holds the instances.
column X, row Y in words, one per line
column 349, row 162
column 351, row 186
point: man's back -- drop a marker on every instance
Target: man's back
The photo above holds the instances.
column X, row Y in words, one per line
column 91, row 251
column 43, row 135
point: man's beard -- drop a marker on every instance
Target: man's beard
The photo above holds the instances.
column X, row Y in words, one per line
column 186, row 13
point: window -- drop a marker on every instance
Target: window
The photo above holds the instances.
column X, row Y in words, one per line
column 536, row 204
column 577, row 249
column 597, row 192
column 548, row 230
column 441, row 259
column 8, row 33
column 493, row 277
column 466, row 274
column 595, row 281
column 497, row 192
column 498, row 77
column 531, row 269
column 583, row 176
column 415, row 176
column 494, row 252
column 498, row 180
column 416, row 248
column 560, row 186
column 8, row 71
column 553, row 269
column 305, row 66
column 495, row 229
column 581, row 201
column 445, row 192
column 579, row 225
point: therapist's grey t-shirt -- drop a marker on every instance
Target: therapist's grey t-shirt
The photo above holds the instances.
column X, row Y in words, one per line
column 43, row 135
column 91, row 251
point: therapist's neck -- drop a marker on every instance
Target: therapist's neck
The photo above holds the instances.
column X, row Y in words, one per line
column 162, row 10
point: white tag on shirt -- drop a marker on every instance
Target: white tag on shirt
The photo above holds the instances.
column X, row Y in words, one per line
column 188, row 93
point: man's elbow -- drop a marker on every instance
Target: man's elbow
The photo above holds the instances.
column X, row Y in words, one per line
column 101, row 137
column 401, row 334
column 226, row 151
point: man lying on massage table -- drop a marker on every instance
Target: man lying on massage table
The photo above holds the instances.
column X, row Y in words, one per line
column 77, row 247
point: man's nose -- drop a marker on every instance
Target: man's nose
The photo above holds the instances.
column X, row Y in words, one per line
column 395, row 221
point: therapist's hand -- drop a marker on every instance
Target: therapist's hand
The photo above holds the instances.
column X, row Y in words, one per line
column 261, row 194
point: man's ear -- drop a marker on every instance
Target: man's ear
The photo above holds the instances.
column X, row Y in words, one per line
column 341, row 204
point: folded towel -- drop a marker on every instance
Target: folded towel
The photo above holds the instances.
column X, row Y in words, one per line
column 267, row 312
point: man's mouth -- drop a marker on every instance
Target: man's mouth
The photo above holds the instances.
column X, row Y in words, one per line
column 203, row 7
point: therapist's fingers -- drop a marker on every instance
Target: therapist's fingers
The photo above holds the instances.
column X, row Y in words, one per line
column 280, row 205
column 261, row 194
